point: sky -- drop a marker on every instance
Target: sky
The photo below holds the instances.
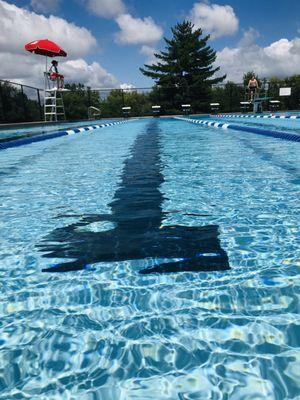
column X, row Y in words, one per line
column 108, row 40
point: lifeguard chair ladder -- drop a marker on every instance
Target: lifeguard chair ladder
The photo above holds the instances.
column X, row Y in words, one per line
column 54, row 109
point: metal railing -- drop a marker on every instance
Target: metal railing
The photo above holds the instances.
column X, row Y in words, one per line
column 19, row 102
column 23, row 103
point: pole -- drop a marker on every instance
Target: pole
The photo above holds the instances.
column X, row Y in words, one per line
column 2, row 102
column 123, row 102
column 39, row 101
column 89, row 96
column 45, row 88
column 23, row 102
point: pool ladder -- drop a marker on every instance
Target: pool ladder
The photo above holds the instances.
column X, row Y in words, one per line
column 54, row 109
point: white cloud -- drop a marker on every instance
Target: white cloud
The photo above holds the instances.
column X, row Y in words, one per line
column 106, row 8
column 248, row 38
column 29, row 70
column 45, row 6
column 127, row 86
column 214, row 19
column 137, row 30
column 20, row 26
column 22, row 68
column 280, row 58
column 149, row 51
column 92, row 75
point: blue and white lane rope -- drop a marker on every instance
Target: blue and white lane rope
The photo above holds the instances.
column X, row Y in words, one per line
column 52, row 135
column 265, row 132
column 272, row 116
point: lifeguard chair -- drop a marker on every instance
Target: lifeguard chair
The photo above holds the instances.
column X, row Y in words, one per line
column 54, row 109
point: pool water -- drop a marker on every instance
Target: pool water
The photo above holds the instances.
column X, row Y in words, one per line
column 155, row 259
column 281, row 124
column 16, row 133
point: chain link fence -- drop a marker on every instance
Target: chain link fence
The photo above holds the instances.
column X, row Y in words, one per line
column 23, row 103
column 20, row 103
column 230, row 95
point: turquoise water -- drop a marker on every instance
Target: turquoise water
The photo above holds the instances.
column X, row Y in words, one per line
column 281, row 124
column 106, row 331
column 37, row 130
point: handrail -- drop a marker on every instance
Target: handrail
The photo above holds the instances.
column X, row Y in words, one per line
column 109, row 89
column 19, row 84
column 94, row 108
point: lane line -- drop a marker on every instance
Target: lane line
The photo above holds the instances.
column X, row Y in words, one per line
column 46, row 136
column 258, row 131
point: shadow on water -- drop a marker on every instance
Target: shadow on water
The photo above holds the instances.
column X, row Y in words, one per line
column 137, row 218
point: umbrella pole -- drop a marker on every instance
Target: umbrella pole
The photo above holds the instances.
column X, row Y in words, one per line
column 45, row 88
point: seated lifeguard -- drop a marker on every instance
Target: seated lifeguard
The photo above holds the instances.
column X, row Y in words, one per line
column 55, row 75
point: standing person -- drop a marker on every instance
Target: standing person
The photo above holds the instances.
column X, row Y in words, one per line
column 55, row 75
column 253, row 87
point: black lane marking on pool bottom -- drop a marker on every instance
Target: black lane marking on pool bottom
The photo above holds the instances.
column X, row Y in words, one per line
column 138, row 233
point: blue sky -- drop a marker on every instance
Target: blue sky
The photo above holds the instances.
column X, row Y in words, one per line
column 251, row 29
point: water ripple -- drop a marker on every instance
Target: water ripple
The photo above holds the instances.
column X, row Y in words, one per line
column 109, row 333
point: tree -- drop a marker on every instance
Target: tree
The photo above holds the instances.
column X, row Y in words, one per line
column 229, row 96
column 184, row 72
column 118, row 98
column 78, row 99
column 16, row 106
column 292, row 102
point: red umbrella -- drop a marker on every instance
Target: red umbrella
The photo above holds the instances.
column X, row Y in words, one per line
column 46, row 48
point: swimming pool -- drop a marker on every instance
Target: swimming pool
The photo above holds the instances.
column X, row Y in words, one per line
column 155, row 259
column 268, row 121
column 25, row 131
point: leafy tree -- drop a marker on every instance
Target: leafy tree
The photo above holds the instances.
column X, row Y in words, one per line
column 229, row 96
column 140, row 103
column 16, row 106
column 184, row 72
column 292, row 102
column 112, row 105
column 78, row 100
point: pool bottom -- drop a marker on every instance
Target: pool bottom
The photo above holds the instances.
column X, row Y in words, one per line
column 108, row 332
column 137, row 218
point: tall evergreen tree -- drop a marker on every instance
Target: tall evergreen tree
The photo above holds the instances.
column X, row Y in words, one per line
column 184, row 71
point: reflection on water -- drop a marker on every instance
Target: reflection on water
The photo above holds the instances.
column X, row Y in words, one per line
column 107, row 332
column 138, row 232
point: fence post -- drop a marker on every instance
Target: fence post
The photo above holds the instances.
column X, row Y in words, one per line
column 40, row 105
column 89, row 96
column 2, row 103
column 123, row 100
column 24, row 105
